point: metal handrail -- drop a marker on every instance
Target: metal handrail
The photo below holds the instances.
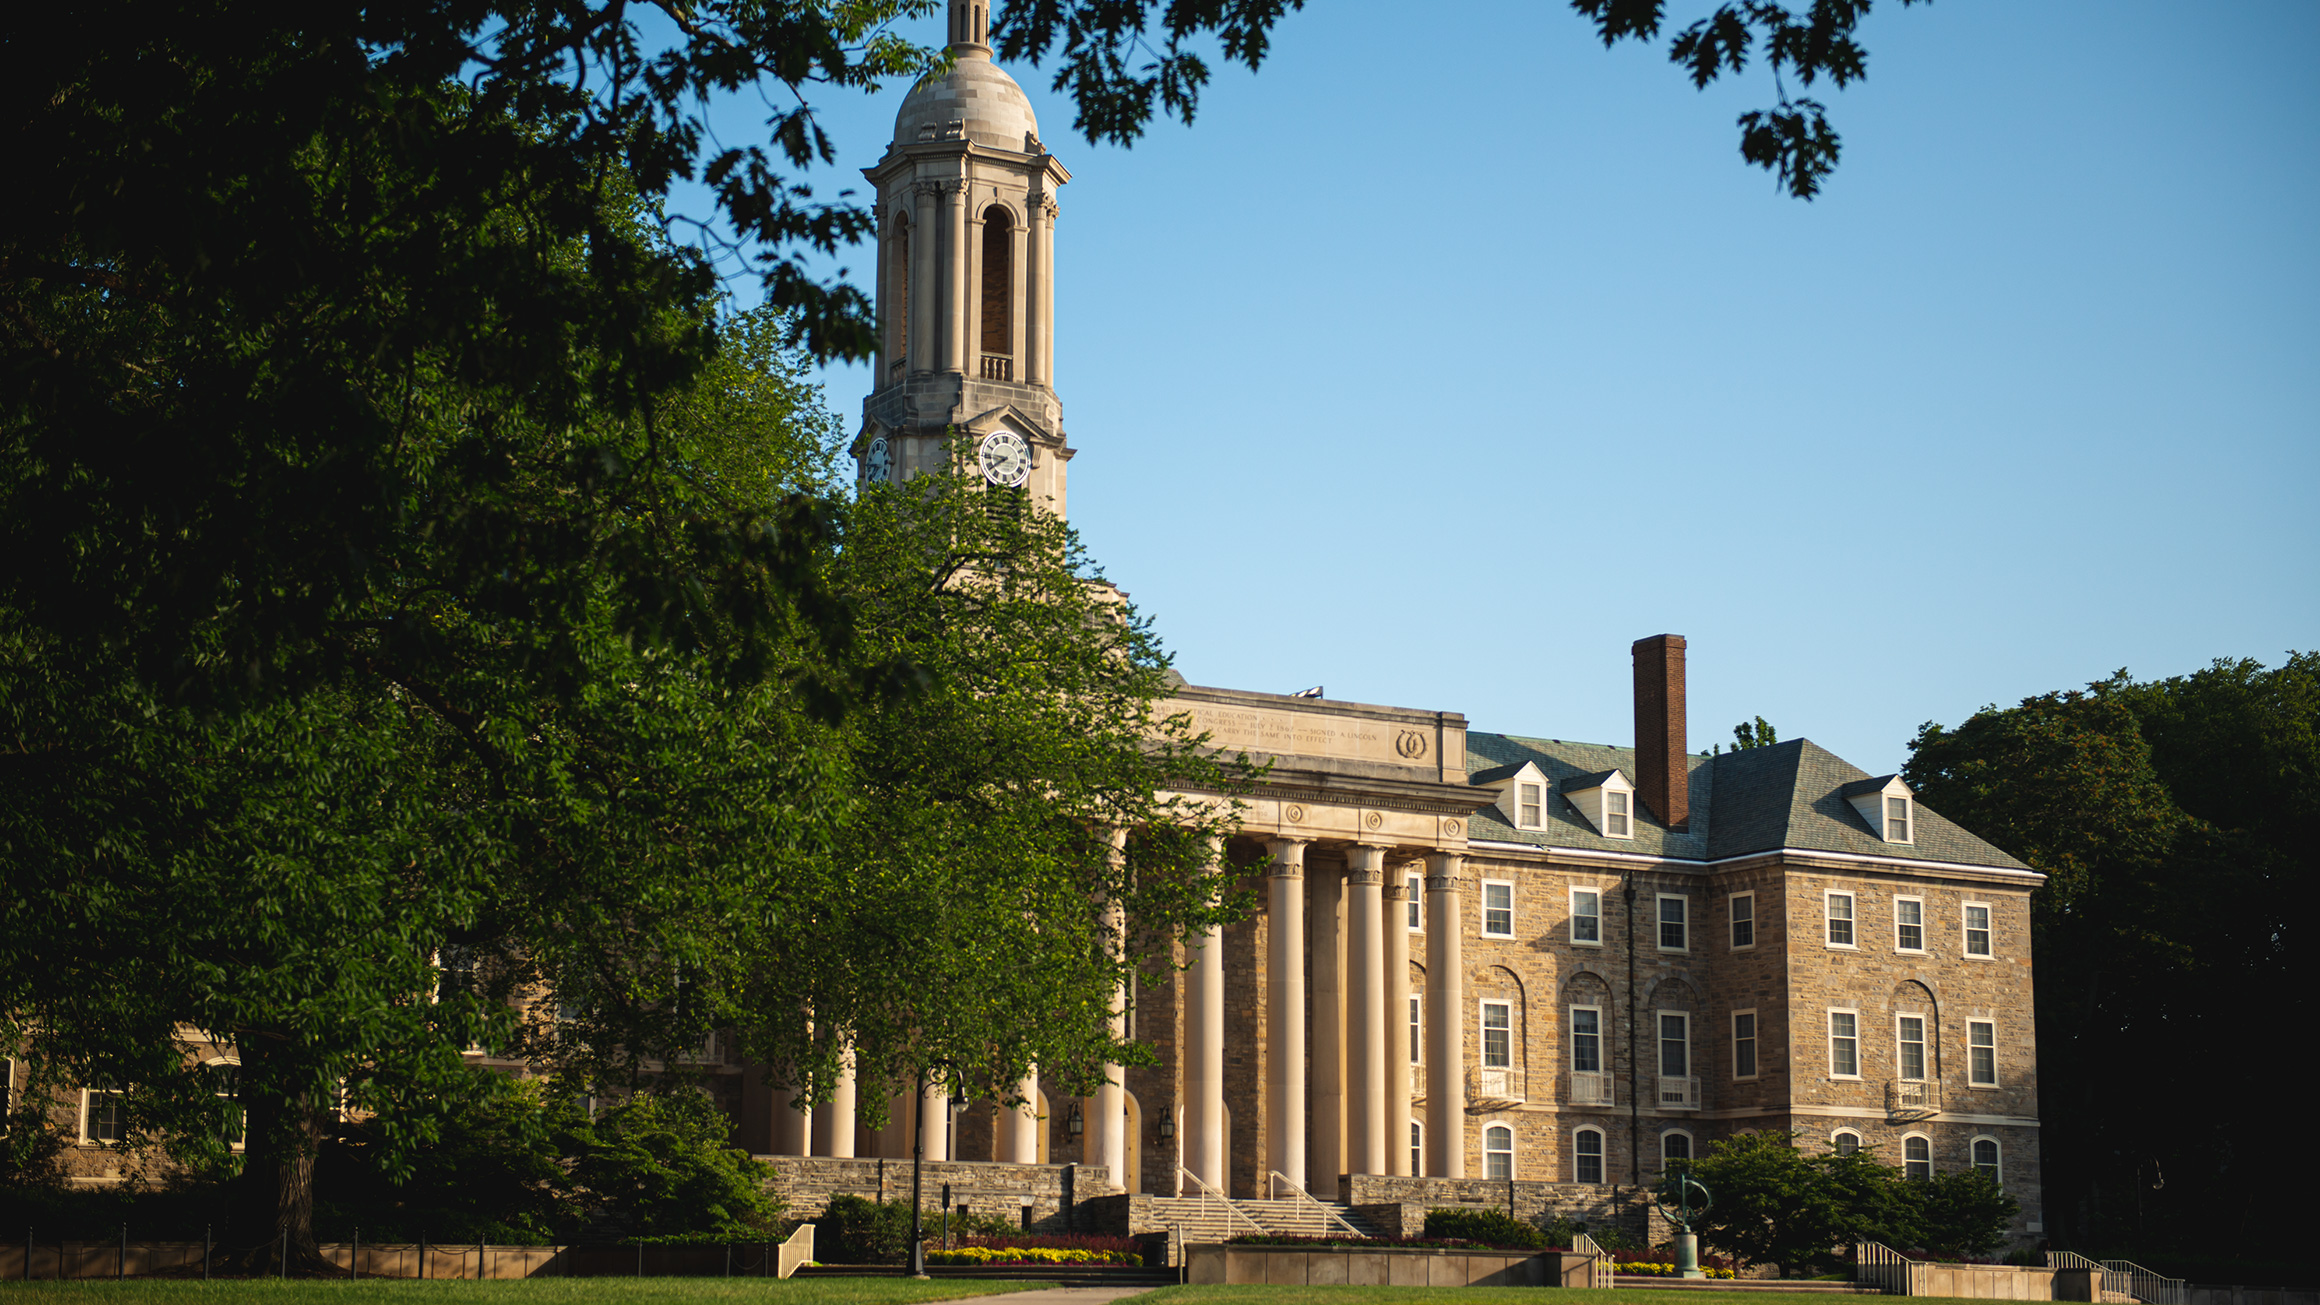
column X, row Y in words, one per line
column 1601, row 1274
column 1881, row 1264
column 1277, row 1178
column 2144, row 1285
column 1206, row 1192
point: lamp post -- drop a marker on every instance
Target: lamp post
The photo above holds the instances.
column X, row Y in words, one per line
column 917, row 1160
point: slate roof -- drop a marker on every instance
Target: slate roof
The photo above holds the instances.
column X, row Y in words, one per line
column 1754, row 800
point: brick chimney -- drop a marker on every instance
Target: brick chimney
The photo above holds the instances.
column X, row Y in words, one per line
column 1662, row 779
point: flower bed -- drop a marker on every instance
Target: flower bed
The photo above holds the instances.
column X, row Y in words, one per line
column 1656, row 1269
column 1381, row 1243
column 982, row 1255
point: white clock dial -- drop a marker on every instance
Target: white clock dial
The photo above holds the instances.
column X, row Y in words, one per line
column 1005, row 459
column 878, row 462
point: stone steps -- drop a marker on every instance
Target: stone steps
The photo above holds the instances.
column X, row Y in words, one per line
column 1815, row 1285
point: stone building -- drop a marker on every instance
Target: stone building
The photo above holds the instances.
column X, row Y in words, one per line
column 1478, row 955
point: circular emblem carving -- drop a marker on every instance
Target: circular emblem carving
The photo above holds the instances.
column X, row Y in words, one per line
column 1293, row 813
column 1411, row 744
column 1450, row 828
column 1373, row 820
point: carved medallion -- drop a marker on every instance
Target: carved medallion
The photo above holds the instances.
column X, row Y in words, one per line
column 1450, row 829
column 1373, row 821
column 1411, row 744
column 1293, row 813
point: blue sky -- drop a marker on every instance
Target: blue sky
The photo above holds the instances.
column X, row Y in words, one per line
column 1450, row 353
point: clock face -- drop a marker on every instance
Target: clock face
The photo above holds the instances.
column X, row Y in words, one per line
column 878, row 462
column 1005, row 459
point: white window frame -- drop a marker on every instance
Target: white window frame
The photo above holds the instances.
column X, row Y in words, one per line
column 1835, row 1011
column 1989, row 950
column 1618, row 813
column 89, row 1097
column 1602, row 1156
column 1659, row 903
column 1417, row 1148
column 1755, row 1039
column 1906, row 1139
column 1691, row 1145
column 1899, row 945
column 237, row 1064
column 1417, row 1029
column 1660, row 1039
column 1733, row 922
column 1924, row 1052
column 1836, row 1133
column 1601, row 1035
column 1973, row 1069
column 1597, row 917
column 1416, row 887
column 1908, row 819
column 1998, row 1166
column 1852, row 919
column 1488, row 1153
column 1482, row 1032
column 1530, row 800
column 1483, row 915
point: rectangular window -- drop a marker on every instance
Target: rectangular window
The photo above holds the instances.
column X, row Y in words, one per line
column 1897, row 820
column 100, row 1115
column 1415, row 1041
column 1615, row 815
column 1675, row 1044
column 1744, row 1044
column 1840, row 913
column 1908, row 924
column 1417, row 898
column 1674, row 921
column 1497, row 1035
column 1982, row 1053
column 1977, row 929
column 1743, row 920
column 1587, row 917
column 1530, row 811
column 1844, row 1044
column 1586, row 1040
column 1497, row 909
column 1909, row 1030
column 1587, row 1156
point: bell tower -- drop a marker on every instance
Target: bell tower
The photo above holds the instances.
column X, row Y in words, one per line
column 965, row 281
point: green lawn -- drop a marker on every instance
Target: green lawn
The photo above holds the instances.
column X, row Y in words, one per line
column 537, row 1291
column 1252, row 1295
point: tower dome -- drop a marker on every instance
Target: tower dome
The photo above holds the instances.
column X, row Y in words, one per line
column 976, row 93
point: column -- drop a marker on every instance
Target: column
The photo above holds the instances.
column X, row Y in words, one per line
column 834, row 1122
column 1046, row 221
column 1445, row 1020
column 1325, row 926
column 901, row 1117
column 1285, row 1011
column 955, row 280
column 1204, row 1140
column 1018, row 291
column 792, row 1127
column 1397, row 941
column 1035, row 236
column 1018, row 1140
column 1107, row 1126
column 1365, row 1024
column 932, row 1113
column 925, row 257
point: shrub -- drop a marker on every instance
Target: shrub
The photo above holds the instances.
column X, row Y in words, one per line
column 858, row 1231
column 1484, row 1228
column 1032, row 1255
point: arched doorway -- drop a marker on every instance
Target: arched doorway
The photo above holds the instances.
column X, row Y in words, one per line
column 1134, row 1142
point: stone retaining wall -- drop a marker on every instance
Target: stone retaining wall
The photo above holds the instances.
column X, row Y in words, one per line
column 1001, row 1191
column 1418, row 1267
column 1398, row 1206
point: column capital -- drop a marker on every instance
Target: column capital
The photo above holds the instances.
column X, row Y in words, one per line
column 1442, row 872
column 1288, row 857
column 1365, row 863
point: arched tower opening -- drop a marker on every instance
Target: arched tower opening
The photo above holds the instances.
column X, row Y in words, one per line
column 998, row 342
column 898, row 295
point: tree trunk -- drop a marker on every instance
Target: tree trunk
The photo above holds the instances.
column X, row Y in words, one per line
column 275, row 1190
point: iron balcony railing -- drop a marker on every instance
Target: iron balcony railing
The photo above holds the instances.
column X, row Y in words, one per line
column 1912, row 1098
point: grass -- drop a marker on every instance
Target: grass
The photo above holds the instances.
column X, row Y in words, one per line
column 536, row 1291
column 1254, row 1295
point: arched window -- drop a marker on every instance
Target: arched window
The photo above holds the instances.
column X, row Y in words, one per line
column 998, row 294
column 1498, row 1152
column 1417, row 1148
column 1675, row 1149
column 1844, row 1141
column 1917, row 1156
column 1986, row 1158
column 1587, row 1156
column 225, row 1081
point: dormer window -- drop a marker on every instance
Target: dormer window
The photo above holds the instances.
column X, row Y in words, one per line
column 1522, row 793
column 1886, row 805
column 1607, row 800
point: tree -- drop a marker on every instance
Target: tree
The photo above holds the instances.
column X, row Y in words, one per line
column 1753, row 734
column 2167, row 816
column 1774, row 1203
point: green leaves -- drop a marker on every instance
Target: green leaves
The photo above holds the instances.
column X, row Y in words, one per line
column 1775, row 1204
